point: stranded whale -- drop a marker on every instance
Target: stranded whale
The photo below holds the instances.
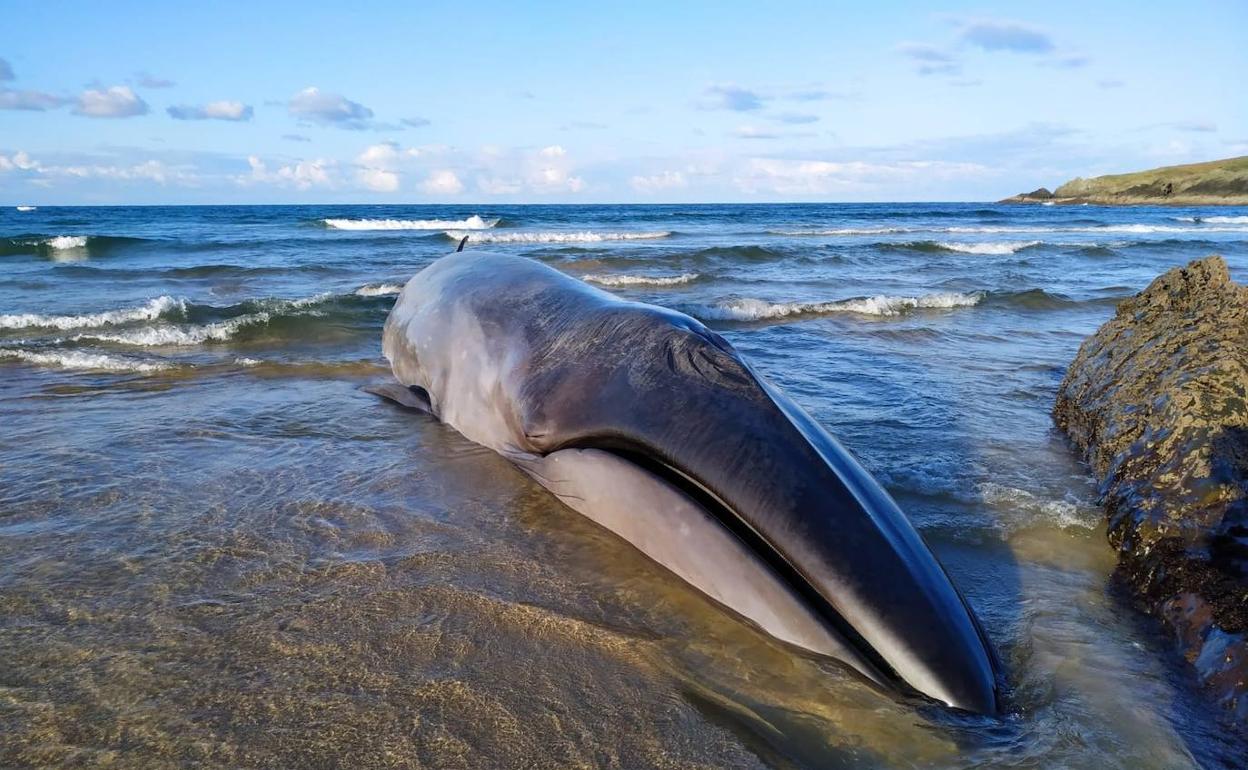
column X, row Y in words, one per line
column 651, row 425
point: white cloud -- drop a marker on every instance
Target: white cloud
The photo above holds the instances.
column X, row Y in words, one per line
column 220, row 110
column 383, row 155
column 20, row 161
column 551, row 179
column 377, row 166
column 149, row 171
column 820, row 177
column 667, row 180
column 553, row 151
column 114, row 102
column 302, row 175
column 328, row 109
column 378, row 180
column 443, row 182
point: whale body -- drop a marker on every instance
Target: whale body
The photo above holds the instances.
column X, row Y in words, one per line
column 653, row 426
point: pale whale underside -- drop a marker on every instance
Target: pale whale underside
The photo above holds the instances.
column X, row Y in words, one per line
column 652, row 426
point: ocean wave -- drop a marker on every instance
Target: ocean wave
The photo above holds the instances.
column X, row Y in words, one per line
column 848, row 231
column 167, row 322
column 148, row 312
column 473, row 222
column 66, row 242
column 986, row 247
column 79, row 359
column 749, row 309
column 641, row 280
column 378, row 290
column 170, row 335
column 55, row 245
column 585, row 236
column 1218, row 220
column 1200, row 228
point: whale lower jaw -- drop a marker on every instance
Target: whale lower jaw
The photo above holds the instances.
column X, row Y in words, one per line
column 673, row 529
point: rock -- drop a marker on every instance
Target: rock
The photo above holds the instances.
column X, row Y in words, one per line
column 1041, row 194
column 1157, row 401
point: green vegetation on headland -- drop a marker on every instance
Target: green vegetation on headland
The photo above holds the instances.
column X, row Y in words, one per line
column 1214, row 183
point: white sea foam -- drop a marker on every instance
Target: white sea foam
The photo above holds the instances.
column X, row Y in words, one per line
column 1219, row 220
column 1063, row 513
column 25, row 208
column 151, row 311
column 61, row 242
column 748, row 309
column 196, row 334
column 848, row 231
column 379, row 290
column 586, row 236
column 989, row 247
column 641, row 280
column 170, row 335
column 244, row 361
column 473, row 222
column 1195, row 229
column 78, row 359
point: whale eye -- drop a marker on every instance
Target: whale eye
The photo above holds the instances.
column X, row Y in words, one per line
column 693, row 352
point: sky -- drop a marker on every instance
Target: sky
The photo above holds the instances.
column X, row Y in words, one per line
column 405, row 102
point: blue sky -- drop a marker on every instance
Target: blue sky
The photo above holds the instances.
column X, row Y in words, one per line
column 128, row 102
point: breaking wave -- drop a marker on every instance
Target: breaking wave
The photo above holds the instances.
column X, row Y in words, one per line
column 152, row 310
column 987, row 247
column 52, row 245
column 473, row 222
column 585, row 236
column 749, row 309
column 848, row 231
column 641, row 280
column 1218, row 220
column 166, row 321
column 79, row 359
column 1198, row 226
column 379, row 290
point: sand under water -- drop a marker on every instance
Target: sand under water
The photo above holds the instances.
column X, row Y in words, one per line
column 217, row 551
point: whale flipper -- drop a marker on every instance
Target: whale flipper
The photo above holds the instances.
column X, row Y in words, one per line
column 411, row 397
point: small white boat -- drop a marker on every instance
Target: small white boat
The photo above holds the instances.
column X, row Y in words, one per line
column 25, row 208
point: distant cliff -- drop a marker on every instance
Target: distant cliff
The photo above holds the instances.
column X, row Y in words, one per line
column 1215, row 183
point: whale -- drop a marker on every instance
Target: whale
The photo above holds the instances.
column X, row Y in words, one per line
column 653, row 426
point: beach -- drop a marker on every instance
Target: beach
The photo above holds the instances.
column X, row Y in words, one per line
column 216, row 549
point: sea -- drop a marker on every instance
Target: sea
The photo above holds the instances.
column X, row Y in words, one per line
column 217, row 550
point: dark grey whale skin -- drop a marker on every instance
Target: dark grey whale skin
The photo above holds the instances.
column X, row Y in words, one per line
column 588, row 370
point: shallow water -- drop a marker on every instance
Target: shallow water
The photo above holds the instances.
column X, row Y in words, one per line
column 215, row 549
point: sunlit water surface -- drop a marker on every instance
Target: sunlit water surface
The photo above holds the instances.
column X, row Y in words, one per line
column 216, row 550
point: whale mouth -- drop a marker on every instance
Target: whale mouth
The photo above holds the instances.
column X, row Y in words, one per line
column 965, row 678
column 876, row 669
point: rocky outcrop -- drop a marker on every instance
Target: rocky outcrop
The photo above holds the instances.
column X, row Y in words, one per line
column 1040, row 194
column 1157, row 400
